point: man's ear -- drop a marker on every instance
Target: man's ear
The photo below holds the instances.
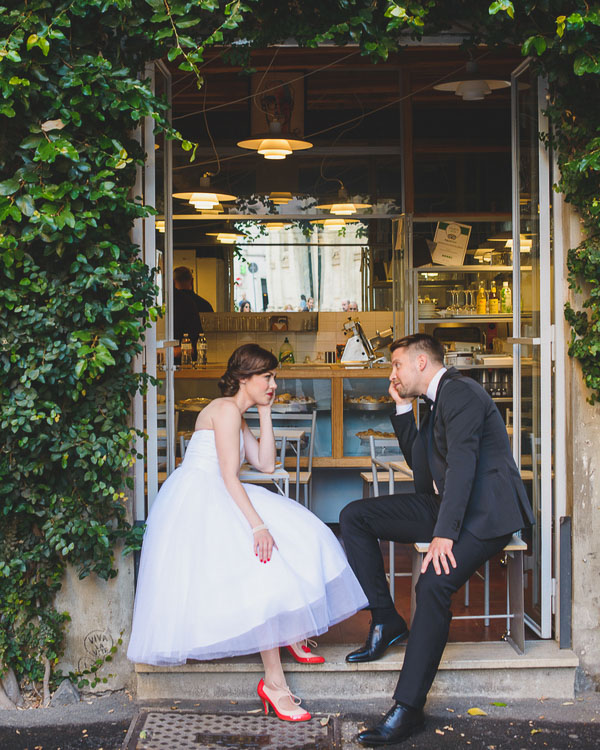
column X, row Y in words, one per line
column 422, row 361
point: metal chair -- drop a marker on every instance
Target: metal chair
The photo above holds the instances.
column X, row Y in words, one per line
column 304, row 478
column 397, row 470
column 293, row 438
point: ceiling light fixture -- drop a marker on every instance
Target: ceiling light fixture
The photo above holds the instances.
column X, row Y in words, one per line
column 272, row 225
column 280, row 199
column 274, row 144
column 472, row 85
column 204, row 199
column 333, row 223
column 227, row 238
column 343, row 206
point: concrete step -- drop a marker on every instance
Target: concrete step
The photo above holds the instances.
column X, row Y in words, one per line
column 486, row 669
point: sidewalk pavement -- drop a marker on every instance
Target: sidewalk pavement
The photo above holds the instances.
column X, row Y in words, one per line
column 101, row 722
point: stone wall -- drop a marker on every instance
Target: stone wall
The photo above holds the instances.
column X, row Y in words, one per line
column 583, row 487
column 100, row 612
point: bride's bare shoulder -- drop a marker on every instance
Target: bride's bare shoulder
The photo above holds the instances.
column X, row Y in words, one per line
column 224, row 407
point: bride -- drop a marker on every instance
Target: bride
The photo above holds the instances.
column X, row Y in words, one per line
column 230, row 568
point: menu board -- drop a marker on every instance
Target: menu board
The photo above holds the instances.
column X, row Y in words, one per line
column 451, row 240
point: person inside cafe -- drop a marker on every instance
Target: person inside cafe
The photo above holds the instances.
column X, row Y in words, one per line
column 468, row 501
column 244, row 306
column 187, row 306
column 353, row 307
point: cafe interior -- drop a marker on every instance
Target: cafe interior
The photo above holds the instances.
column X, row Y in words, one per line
column 333, row 205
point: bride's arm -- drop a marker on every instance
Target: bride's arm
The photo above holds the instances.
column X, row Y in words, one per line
column 227, row 423
column 261, row 453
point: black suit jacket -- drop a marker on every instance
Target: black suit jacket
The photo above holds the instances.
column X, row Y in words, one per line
column 463, row 447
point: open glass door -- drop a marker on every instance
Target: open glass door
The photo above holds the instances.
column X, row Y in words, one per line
column 155, row 413
column 532, row 341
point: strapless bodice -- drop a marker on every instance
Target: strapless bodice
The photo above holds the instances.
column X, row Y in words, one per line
column 201, row 451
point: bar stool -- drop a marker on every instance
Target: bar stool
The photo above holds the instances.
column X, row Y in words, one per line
column 515, row 599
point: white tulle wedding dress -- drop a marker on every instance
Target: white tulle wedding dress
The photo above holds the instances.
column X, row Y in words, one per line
column 203, row 594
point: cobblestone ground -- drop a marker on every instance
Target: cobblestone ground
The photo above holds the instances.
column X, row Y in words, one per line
column 102, row 723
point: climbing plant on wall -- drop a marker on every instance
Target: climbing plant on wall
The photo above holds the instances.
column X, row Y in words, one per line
column 75, row 298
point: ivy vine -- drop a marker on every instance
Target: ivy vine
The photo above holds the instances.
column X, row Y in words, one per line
column 75, row 298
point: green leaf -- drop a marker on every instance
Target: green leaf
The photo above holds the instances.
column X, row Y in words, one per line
column 26, row 204
column 8, row 187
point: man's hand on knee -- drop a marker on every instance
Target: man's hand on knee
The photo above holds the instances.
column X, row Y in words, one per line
column 440, row 551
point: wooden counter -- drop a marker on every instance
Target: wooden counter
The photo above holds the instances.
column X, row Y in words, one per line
column 211, row 371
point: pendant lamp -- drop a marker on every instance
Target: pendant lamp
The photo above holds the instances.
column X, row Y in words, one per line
column 472, row 85
column 227, row 238
column 330, row 224
column 343, row 206
column 274, row 144
column 204, row 199
column 280, row 199
column 273, row 225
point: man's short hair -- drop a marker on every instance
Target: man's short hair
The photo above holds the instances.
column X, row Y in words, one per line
column 421, row 342
column 182, row 274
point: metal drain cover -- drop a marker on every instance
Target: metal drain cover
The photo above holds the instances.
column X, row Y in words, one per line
column 164, row 730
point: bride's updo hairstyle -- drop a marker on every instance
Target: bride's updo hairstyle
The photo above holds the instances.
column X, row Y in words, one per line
column 246, row 360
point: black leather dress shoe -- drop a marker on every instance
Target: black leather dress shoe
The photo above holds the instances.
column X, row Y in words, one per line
column 380, row 638
column 399, row 723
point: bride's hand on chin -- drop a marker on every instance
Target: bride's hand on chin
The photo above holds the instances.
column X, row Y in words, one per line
column 266, row 408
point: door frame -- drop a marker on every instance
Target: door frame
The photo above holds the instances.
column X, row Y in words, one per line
column 544, row 341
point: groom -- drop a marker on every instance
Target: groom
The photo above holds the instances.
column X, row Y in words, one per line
column 468, row 500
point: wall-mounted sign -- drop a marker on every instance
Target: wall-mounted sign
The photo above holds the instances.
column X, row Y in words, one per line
column 451, row 240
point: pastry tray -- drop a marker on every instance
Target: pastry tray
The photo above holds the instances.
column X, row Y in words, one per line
column 367, row 405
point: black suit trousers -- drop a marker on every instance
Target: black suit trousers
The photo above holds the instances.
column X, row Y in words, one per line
column 407, row 519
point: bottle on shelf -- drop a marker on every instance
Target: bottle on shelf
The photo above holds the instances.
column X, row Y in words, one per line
column 481, row 299
column 286, row 353
column 186, row 351
column 202, row 350
column 494, row 302
column 505, row 298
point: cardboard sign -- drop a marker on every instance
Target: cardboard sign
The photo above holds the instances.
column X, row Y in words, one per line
column 451, row 240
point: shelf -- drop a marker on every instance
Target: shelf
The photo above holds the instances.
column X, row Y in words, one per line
column 502, row 399
column 483, row 367
column 457, row 269
column 464, row 318
column 469, row 269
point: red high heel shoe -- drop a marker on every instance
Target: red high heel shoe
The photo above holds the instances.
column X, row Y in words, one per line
column 271, row 696
column 302, row 653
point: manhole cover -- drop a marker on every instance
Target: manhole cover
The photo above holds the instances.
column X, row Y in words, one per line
column 162, row 730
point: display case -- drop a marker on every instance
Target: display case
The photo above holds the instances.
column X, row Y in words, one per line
column 367, row 409
column 465, row 308
column 350, row 403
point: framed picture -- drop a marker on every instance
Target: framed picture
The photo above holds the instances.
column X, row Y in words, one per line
column 450, row 243
column 277, row 96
